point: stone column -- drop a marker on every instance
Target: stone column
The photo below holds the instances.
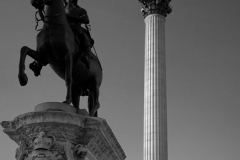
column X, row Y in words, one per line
column 155, row 99
column 55, row 132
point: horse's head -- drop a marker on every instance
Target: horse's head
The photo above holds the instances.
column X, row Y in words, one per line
column 39, row 4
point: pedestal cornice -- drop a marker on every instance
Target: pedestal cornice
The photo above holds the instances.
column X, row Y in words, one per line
column 161, row 7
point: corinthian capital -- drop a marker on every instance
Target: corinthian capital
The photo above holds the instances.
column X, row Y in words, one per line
column 161, row 7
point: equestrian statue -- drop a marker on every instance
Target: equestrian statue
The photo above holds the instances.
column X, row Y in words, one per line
column 65, row 45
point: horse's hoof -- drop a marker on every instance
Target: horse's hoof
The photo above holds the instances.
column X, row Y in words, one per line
column 93, row 112
column 36, row 68
column 23, row 79
column 66, row 102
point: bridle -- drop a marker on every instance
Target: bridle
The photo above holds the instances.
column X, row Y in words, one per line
column 42, row 17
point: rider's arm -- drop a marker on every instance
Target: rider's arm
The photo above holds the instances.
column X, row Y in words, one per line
column 83, row 17
column 77, row 14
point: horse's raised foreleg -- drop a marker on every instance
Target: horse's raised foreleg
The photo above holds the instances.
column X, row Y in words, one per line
column 68, row 77
column 21, row 73
column 33, row 54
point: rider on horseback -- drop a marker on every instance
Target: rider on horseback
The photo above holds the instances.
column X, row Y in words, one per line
column 75, row 16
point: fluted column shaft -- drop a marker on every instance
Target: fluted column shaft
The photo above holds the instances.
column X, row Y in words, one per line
column 155, row 103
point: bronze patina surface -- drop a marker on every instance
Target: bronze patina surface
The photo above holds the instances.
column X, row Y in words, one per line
column 67, row 52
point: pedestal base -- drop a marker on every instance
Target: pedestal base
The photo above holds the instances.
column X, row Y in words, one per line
column 54, row 132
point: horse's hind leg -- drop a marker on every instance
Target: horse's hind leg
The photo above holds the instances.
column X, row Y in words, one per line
column 93, row 101
column 90, row 102
column 68, row 77
column 23, row 53
column 75, row 97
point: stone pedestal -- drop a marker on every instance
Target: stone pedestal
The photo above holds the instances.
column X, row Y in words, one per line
column 56, row 131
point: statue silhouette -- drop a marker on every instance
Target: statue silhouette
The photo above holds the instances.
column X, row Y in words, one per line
column 58, row 46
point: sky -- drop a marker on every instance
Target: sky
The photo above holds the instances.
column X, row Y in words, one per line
column 203, row 62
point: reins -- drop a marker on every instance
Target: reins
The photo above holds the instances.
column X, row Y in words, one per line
column 42, row 17
column 37, row 20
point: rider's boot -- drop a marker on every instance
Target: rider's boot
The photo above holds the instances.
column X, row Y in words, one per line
column 86, row 58
column 36, row 68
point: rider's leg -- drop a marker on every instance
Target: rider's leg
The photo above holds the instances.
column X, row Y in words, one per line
column 85, row 43
column 86, row 58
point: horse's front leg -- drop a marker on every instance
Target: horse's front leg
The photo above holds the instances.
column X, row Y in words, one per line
column 21, row 73
column 68, row 77
column 33, row 54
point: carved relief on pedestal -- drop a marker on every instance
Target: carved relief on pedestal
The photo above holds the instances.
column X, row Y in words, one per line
column 21, row 151
column 77, row 152
column 62, row 136
column 42, row 147
column 51, row 142
column 80, row 152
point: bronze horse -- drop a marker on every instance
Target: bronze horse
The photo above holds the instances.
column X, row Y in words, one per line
column 57, row 46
